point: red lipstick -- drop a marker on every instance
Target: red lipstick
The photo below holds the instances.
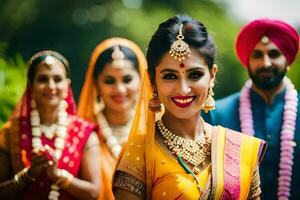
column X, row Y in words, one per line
column 183, row 101
column 119, row 98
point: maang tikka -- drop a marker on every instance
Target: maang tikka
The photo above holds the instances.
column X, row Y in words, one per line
column 209, row 103
column 118, row 58
column 180, row 50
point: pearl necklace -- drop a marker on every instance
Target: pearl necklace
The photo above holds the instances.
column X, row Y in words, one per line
column 287, row 133
column 194, row 152
column 59, row 143
column 114, row 137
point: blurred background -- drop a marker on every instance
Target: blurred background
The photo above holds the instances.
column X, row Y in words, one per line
column 75, row 27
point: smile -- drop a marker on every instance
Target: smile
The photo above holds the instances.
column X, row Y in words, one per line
column 183, row 101
column 119, row 98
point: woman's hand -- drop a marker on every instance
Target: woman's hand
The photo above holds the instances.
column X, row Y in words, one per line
column 38, row 162
column 51, row 165
column 44, row 159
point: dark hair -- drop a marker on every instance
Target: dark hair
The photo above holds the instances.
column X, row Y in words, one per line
column 40, row 57
column 195, row 35
column 106, row 57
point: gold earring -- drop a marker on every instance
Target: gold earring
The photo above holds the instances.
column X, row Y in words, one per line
column 154, row 103
column 99, row 104
column 209, row 103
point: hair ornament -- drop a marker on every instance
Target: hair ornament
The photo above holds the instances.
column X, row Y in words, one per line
column 180, row 50
column 50, row 60
column 118, row 58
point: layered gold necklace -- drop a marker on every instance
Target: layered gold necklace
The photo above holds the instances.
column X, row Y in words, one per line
column 192, row 151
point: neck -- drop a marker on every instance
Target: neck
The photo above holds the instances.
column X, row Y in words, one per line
column 186, row 128
column 117, row 118
column 48, row 115
column 268, row 95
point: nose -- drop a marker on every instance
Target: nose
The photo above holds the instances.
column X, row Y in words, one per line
column 121, row 88
column 267, row 61
column 184, row 87
column 51, row 84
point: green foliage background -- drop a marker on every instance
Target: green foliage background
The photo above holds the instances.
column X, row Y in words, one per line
column 74, row 28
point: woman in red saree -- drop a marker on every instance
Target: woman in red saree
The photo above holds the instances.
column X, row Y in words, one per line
column 46, row 152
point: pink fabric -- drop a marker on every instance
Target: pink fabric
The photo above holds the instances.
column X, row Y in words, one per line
column 232, row 166
column 282, row 34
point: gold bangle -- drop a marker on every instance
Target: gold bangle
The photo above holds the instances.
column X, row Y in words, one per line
column 26, row 177
column 22, row 177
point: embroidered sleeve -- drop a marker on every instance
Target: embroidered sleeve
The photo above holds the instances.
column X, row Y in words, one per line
column 92, row 141
column 130, row 183
column 255, row 190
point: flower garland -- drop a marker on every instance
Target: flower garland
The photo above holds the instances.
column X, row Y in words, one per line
column 287, row 143
column 59, row 143
column 115, row 137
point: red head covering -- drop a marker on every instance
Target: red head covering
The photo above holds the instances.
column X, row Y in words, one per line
column 22, row 109
column 283, row 35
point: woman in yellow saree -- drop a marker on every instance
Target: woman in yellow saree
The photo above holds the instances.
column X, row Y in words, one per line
column 109, row 97
column 180, row 156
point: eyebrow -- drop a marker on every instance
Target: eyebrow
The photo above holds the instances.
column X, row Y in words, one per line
column 108, row 76
column 168, row 70
column 176, row 71
column 195, row 69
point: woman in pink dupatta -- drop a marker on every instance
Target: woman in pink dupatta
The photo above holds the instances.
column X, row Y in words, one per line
column 46, row 152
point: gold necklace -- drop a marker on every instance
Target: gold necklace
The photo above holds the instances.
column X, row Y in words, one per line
column 192, row 151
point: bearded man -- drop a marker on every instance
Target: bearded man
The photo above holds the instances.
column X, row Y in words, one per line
column 267, row 105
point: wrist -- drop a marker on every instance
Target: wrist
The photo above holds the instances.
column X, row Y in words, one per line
column 22, row 178
column 55, row 175
column 65, row 179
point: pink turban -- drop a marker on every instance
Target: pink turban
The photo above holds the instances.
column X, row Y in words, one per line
column 283, row 35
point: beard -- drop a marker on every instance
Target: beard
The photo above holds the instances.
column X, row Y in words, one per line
column 267, row 82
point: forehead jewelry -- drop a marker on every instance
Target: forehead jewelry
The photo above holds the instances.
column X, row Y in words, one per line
column 118, row 58
column 50, row 60
column 180, row 50
column 265, row 40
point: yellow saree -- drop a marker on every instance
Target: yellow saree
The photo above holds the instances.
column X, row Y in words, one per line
column 234, row 158
column 86, row 108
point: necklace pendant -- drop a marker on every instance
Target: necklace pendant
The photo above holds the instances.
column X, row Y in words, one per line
column 196, row 170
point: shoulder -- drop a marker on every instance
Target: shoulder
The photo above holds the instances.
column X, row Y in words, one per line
column 82, row 123
column 238, row 136
column 249, row 141
column 81, row 128
column 10, row 127
column 226, row 112
column 231, row 100
column 228, row 105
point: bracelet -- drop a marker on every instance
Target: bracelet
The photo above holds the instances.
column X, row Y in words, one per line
column 22, row 177
column 65, row 179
